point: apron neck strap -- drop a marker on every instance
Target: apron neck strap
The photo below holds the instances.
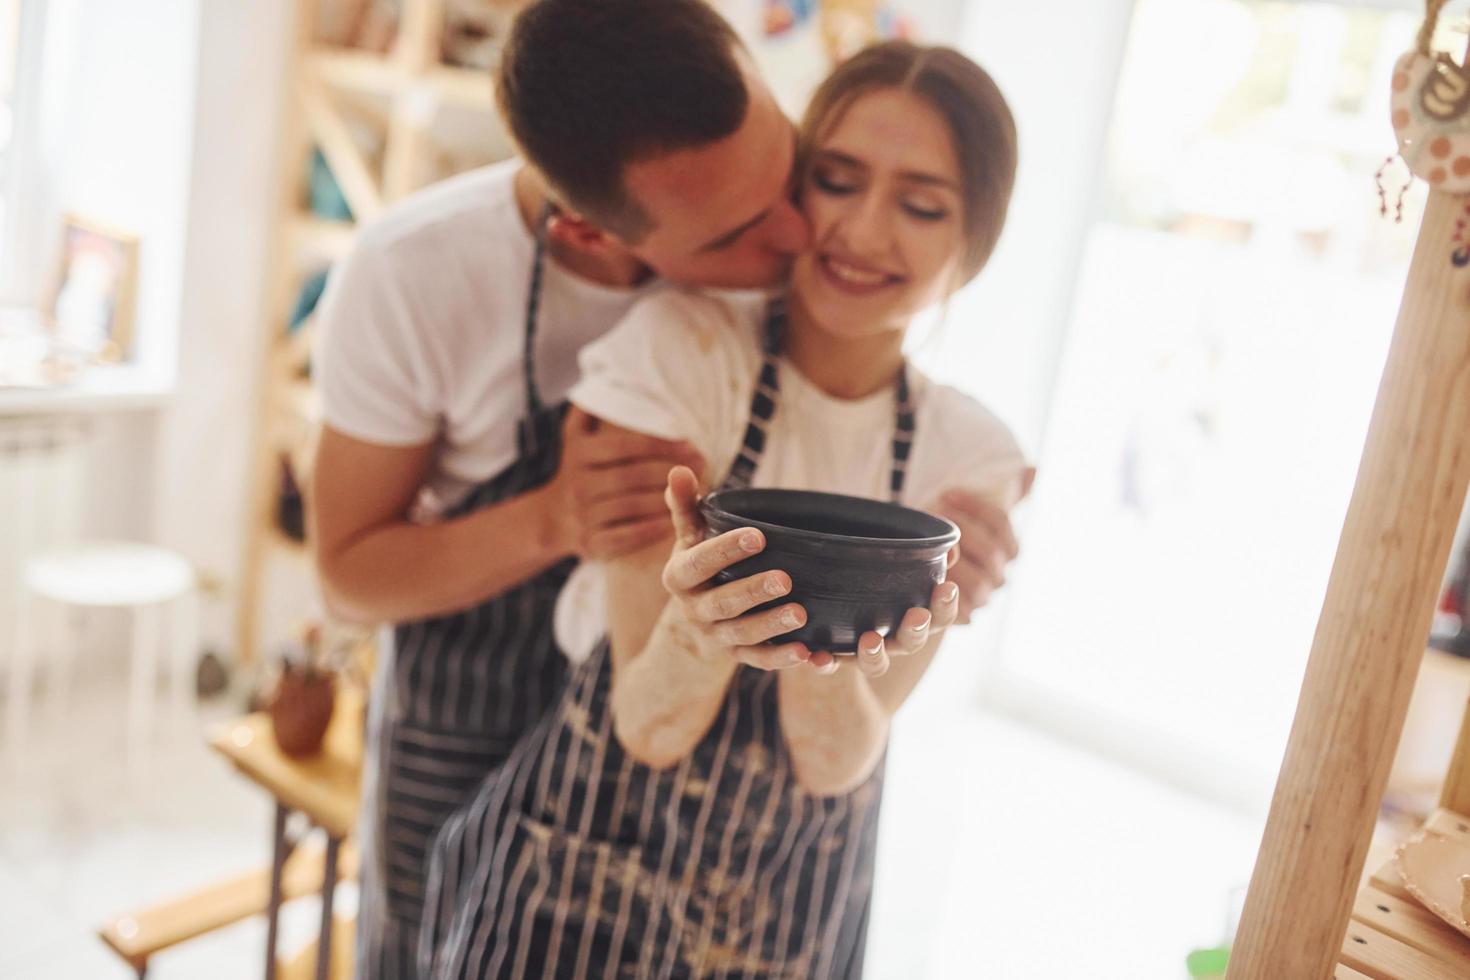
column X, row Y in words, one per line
column 767, row 393
column 534, row 405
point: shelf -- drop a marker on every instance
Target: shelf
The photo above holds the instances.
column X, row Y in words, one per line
column 97, row 389
column 300, row 400
column 293, row 352
column 287, row 546
column 468, row 88
column 317, row 241
column 357, row 71
column 1392, row 935
column 372, row 74
column 386, row 125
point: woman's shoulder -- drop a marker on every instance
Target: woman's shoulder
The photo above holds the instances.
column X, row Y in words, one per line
column 961, row 421
column 674, row 324
column 673, row 367
column 960, row 442
column 682, row 311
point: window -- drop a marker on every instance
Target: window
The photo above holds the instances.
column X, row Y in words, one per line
column 9, row 46
column 20, row 67
column 1235, row 302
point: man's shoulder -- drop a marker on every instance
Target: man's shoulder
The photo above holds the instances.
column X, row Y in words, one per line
column 459, row 215
column 964, row 423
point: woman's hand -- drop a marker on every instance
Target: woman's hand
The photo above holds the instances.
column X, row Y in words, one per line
column 874, row 653
column 987, row 544
column 721, row 614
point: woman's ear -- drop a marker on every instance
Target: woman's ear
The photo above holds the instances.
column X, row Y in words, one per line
column 573, row 230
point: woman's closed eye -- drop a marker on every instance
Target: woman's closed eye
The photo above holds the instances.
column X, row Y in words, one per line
column 925, row 211
column 835, row 184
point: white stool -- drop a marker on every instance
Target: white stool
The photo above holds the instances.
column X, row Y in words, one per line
column 140, row 577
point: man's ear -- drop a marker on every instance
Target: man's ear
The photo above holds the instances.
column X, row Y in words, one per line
column 577, row 232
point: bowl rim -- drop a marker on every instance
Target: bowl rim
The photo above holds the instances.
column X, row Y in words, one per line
column 709, row 504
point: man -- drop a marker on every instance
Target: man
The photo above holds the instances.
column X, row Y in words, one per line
column 452, row 493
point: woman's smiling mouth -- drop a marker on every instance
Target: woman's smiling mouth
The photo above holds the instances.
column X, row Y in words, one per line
column 851, row 277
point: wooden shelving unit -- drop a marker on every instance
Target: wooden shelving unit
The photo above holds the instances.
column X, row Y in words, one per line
column 333, row 95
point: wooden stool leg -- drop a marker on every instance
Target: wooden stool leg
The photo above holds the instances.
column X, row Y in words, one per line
column 280, row 851
column 1456, row 793
column 329, row 889
column 18, row 691
column 143, row 681
column 61, row 657
column 183, row 659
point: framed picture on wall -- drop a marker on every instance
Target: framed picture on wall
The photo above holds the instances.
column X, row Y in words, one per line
column 91, row 304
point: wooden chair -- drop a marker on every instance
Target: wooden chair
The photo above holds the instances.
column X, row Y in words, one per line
column 1392, row 935
column 137, row 935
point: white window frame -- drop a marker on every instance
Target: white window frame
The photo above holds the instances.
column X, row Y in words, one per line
column 23, row 242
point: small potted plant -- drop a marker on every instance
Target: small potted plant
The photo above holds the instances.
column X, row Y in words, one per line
column 304, row 696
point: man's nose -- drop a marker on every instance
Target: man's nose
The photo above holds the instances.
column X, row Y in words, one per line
column 788, row 231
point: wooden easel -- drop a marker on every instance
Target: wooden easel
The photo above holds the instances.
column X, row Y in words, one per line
column 1400, row 526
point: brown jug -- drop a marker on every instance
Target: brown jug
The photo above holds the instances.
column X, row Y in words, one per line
column 301, row 709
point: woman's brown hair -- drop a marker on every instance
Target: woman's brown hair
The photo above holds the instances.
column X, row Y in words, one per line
column 964, row 94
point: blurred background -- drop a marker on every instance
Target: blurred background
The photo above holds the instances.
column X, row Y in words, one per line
column 1185, row 323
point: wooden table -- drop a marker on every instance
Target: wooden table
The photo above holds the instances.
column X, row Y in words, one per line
column 1393, row 937
column 324, row 788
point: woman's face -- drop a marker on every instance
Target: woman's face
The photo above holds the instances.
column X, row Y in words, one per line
column 882, row 194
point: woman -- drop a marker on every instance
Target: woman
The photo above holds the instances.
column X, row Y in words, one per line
column 679, row 814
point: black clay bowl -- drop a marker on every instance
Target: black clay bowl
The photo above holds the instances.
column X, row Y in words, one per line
column 855, row 564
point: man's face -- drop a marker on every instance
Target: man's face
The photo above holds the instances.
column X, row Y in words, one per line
column 722, row 213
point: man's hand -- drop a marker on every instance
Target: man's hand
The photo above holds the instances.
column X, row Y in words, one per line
column 606, row 499
column 720, row 614
column 987, row 545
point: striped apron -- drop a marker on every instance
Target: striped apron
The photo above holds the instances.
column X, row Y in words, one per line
column 452, row 697
column 576, row 861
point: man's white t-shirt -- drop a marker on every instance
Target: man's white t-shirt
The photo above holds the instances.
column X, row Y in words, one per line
column 422, row 330
column 683, row 365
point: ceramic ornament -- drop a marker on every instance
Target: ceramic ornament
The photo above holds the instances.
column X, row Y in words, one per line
column 1434, row 869
column 1431, row 118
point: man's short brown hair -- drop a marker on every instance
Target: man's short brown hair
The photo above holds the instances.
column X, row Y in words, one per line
column 588, row 87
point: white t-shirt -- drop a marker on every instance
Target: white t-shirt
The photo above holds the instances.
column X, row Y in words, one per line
column 683, row 365
column 423, row 327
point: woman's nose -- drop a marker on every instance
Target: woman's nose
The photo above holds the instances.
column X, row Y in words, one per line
column 866, row 227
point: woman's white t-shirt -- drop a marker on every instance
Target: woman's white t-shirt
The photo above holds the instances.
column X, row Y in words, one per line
column 683, row 365
column 422, row 329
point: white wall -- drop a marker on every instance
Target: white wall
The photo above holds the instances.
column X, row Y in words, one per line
column 202, row 470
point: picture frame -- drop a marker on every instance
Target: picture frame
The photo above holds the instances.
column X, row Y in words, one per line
column 91, row 303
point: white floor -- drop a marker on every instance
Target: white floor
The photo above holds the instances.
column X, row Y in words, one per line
column 1042, row 860
column 1006, row 855
column 81, row 839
